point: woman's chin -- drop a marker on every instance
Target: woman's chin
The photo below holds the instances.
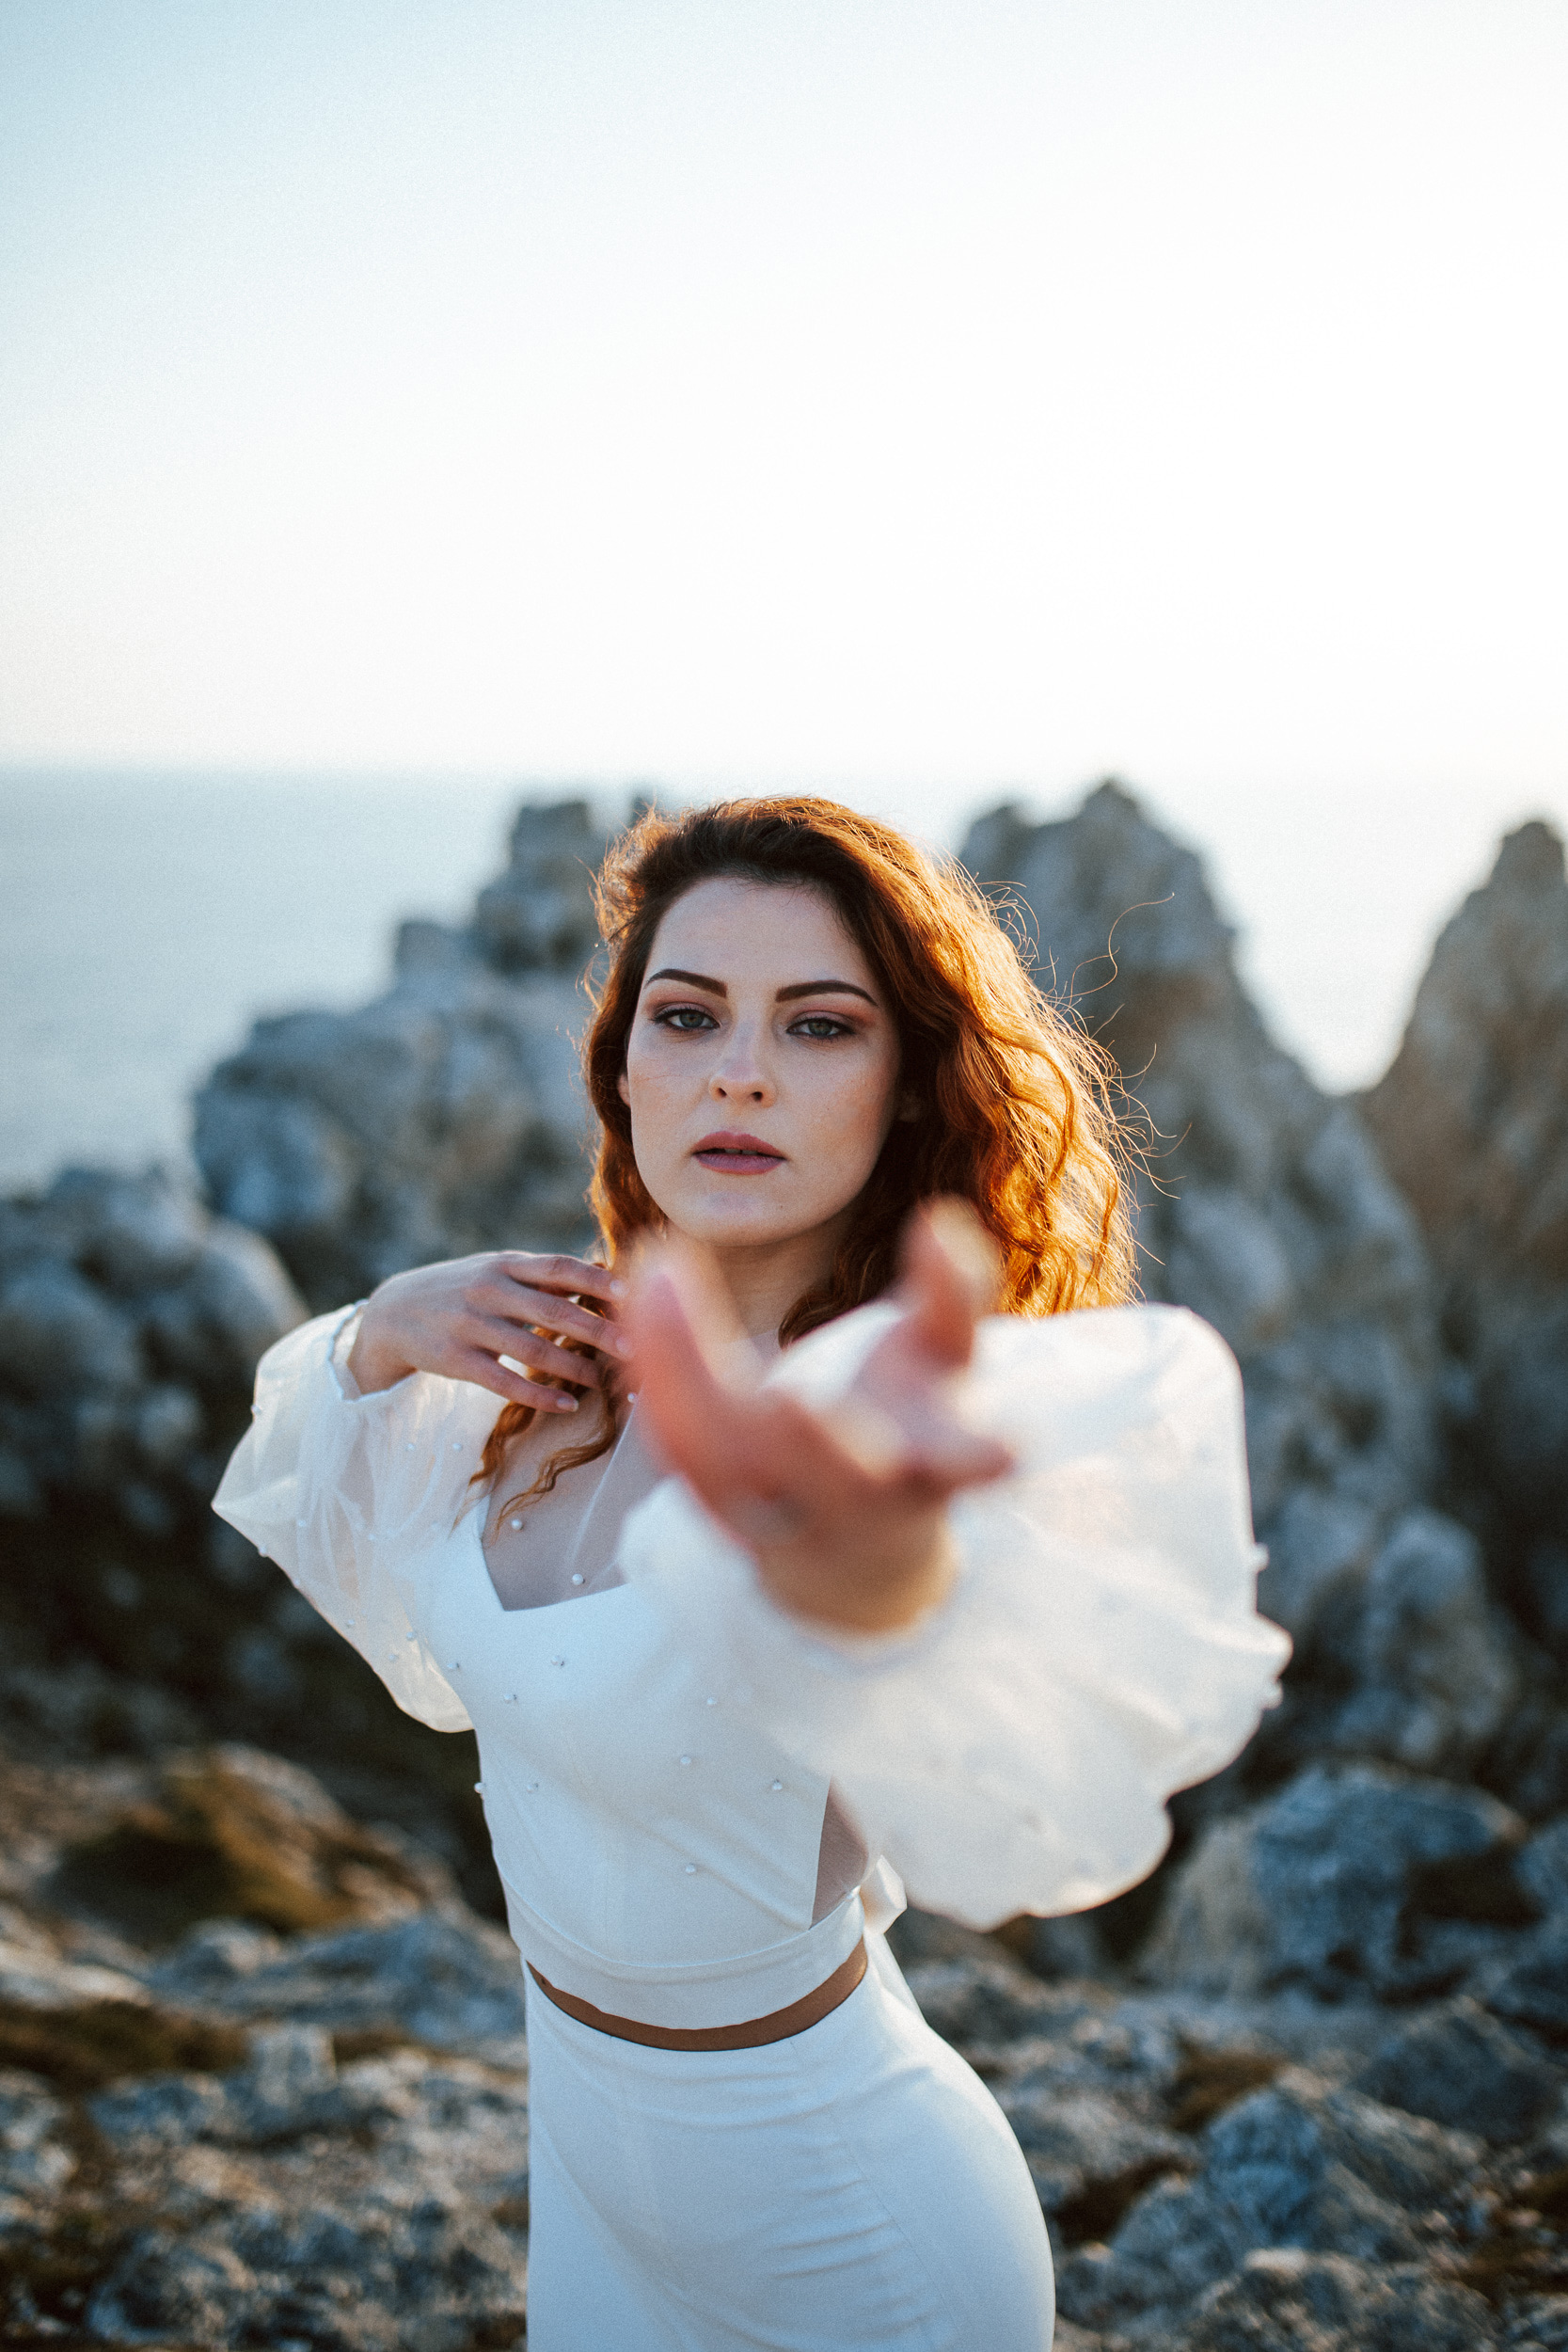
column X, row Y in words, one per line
column 743, row 1219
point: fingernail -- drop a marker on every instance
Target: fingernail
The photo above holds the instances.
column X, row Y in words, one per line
column 617, row 1288
column 566, row 1404
column 622, row 1345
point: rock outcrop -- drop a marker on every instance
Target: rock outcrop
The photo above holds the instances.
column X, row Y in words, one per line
column 130, row 1325
column 1472, row 1122
column 1263, row 1204
column 248, row 2137
column 447, row 1116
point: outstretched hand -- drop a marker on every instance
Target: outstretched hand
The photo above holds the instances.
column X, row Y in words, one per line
column 845, row 1513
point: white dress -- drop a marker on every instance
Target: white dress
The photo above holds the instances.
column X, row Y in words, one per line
column 665, row 1756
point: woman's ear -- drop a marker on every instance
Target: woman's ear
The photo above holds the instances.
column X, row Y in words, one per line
column 622, row 1089
column 909, row 1107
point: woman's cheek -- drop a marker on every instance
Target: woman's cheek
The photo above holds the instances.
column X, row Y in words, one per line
column 850, row 1123
column 655, row 1120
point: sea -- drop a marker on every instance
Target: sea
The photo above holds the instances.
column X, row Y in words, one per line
column 146, row 921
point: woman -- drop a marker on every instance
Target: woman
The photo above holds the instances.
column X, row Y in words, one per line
column 960, row 1606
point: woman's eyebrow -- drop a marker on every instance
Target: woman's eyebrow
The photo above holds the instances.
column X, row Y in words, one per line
column 782, row 996
column 823, row 987
column 692, row 979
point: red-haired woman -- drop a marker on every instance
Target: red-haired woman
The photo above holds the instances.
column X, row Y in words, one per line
column 927, row 1601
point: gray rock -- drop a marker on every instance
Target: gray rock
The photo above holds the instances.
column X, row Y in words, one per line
column 444, row 1118
column 1433, row 1662
column 540, row 915
column 291, row 2064
column 1311, row 1888
column 1544, row 1868
column 163, row 2111
column 1286, row 2300
column 1321, row 1551
column 1532, row 1990
column 34, row 2158
column 1472, row 1121
column 1539, row 2323
column 1414, row 2161
column 1264, row 1206
column 209, row 1958
column 1284, row 2169
column 1087, row 2155
column 1272, row 1216
column 130, row 1325
column 1293, row 2166
column 382, row 2211
column 451, row 1982
column 195, row 2291
column 59, row 1335
column 978, row 2002
column 1461, row 2067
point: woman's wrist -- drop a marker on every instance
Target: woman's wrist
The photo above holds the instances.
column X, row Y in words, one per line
column 867, row 1594
column 379, row 1357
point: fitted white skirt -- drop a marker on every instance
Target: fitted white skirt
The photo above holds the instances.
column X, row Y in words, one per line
column 855, row 2188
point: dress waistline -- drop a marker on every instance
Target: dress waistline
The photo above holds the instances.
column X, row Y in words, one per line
column 692, row 1996
column 782, row 2025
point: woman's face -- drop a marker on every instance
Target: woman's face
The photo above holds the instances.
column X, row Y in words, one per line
column 762, row 1066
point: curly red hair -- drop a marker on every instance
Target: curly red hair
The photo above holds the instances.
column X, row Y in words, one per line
column 1016, row 1111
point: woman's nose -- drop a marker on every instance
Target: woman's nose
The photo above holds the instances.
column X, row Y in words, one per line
column 741, row 1077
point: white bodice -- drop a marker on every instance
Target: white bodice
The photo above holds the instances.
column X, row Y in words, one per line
column 658, row 1847
column 657, row 1753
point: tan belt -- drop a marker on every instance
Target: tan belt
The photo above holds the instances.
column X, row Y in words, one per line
column 808, row 2011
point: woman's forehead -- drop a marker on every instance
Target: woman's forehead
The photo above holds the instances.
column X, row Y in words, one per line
column 729, row 928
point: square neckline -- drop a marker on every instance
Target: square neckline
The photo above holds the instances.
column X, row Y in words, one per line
column 475, row 1521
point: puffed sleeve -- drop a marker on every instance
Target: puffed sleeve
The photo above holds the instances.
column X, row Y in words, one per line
column 346, row 1493
column 1101, row 1647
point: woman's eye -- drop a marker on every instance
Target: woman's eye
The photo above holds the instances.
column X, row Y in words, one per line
column 685, row 1018
column 820, row 1024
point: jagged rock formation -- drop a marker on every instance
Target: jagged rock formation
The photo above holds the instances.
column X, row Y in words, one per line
column 1472, row 1122
column 130, row 1325
column 247, row 2137
column 1355, row 1879
column 1264, row 1206
column 131, row 1620
column 445, row 1116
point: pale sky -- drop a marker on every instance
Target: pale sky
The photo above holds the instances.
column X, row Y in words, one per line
column 920, row 399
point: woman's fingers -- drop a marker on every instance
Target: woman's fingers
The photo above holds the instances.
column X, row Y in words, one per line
column 697, row 1418
column 515, row 1302
column 561, row 1275
column 759, row 1459
column 485, row 1371
column 949, row 1278
column 537, row 1351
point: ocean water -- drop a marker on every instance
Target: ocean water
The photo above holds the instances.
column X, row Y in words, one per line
column 146, row 921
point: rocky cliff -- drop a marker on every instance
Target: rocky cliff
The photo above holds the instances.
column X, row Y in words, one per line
column 443, row 1118
column 1472, row 1123
column 1265, row 1205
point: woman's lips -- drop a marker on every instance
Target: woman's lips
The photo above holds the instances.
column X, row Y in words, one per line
column 738, row 1154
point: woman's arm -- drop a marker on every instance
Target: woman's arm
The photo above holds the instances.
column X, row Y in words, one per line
column 1098, row 1648
column 847, row 1519
column 347, row 1482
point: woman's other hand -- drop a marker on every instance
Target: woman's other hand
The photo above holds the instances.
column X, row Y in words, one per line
column 459, row 1318
column 846, row 1519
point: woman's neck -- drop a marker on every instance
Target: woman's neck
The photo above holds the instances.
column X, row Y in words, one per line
column 765, row 1280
